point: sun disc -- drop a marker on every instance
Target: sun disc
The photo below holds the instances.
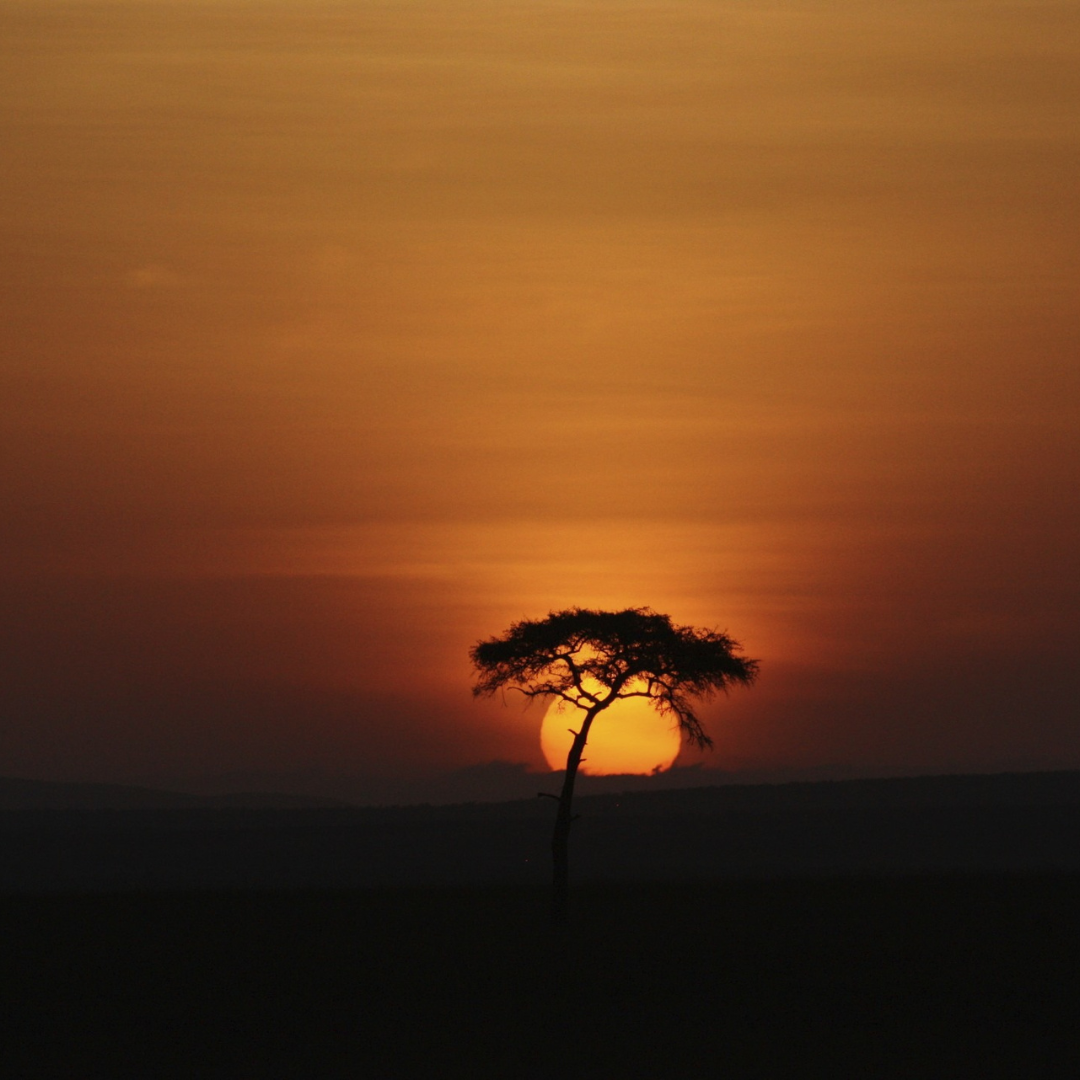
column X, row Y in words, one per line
column 627, row 737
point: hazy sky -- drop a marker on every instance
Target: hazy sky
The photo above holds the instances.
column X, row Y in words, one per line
column 336, row 336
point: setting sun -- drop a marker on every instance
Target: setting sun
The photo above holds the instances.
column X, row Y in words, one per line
column 628, row 737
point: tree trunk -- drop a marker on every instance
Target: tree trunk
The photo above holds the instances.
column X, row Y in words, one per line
column 560, row 839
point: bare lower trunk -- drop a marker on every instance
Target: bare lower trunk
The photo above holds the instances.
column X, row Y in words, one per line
column 560, row 860
column 560, row 838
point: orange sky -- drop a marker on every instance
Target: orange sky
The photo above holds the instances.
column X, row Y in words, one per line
column 336, row 336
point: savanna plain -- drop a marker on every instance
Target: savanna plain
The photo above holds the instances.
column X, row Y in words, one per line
column 911, row 975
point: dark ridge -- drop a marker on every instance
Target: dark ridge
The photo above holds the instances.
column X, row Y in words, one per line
column 997, row 789
column 1010, row 788
column 16, row 794
column 1009, row 823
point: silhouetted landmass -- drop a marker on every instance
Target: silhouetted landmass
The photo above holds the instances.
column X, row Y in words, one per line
column 895, row 928
column 18, row 794
column 1019, row 822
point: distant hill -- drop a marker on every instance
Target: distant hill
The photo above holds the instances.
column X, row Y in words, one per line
column 47, row 795
column 997, row 789
column 993, row 789
column 89, row 837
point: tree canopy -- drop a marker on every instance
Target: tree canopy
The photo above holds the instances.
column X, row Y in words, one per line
column 591, row 658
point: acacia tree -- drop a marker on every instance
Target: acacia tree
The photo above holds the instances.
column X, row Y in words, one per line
column 591, row 659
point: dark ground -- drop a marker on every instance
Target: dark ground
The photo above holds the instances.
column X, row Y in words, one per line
column 854, row 976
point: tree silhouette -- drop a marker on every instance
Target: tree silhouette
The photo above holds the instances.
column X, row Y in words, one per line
column 591, row 659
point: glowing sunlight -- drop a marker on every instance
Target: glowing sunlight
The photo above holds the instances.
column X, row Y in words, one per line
column 629, row 737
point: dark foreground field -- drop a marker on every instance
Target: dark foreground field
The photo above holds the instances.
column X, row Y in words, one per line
column 864, row 977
